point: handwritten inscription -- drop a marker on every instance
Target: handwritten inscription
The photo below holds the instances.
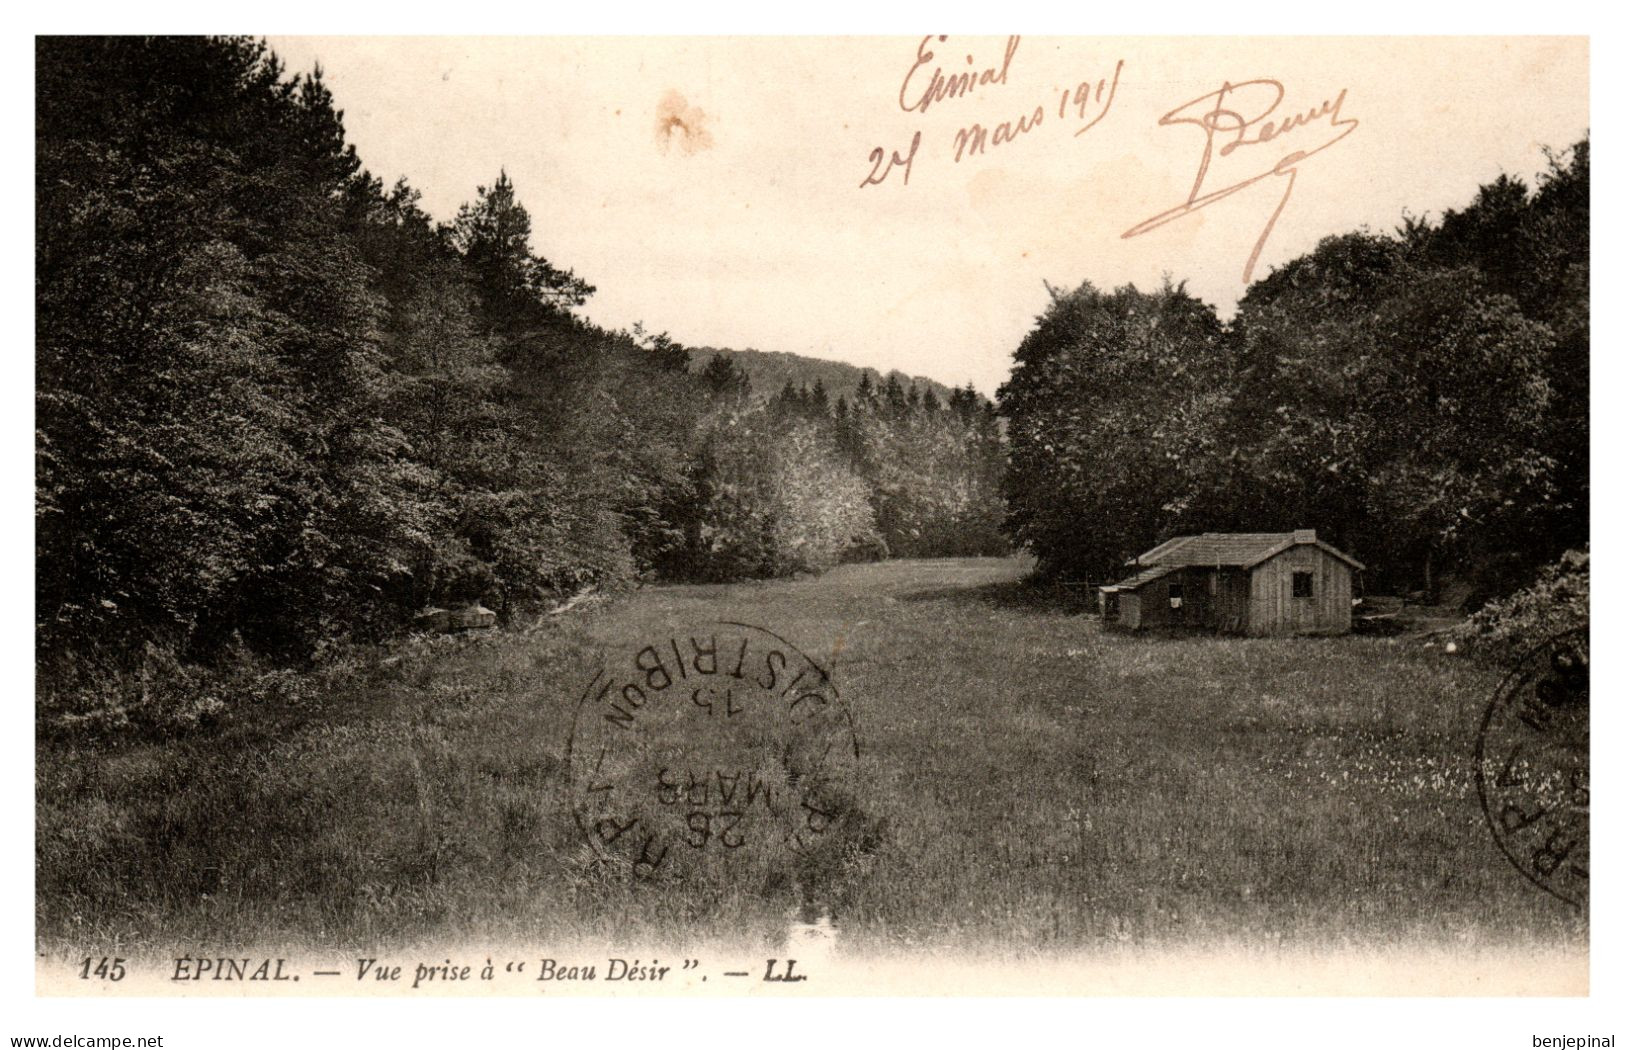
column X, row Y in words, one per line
column 1074, row 101
column 932, row 82
column 877, row 156
column 1240, row 119
column 941, row 87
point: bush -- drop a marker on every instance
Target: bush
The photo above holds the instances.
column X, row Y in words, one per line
column 149, row 692
column 1557, row 602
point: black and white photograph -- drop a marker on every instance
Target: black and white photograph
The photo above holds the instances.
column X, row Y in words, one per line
column 791, row 517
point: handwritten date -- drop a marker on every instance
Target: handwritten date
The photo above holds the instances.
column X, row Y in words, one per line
column 877, row 157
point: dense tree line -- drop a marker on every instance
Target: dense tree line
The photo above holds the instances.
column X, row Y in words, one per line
column 1419, row 397
column 933, row 467
column 798, row 482
column 278, row 404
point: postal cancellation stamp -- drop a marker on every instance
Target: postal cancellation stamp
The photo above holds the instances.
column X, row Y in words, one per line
column 1533, row 767
column 708, row 746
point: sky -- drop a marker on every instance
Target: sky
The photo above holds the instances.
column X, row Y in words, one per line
column 714, row 187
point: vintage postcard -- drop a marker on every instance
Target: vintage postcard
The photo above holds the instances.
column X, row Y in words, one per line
column 927, row 515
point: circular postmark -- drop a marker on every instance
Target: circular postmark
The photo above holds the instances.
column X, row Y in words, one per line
column 722, row 744
column 1533, row 767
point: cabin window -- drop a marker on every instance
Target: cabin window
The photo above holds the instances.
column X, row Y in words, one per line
column 1303, row 585
column 1176, row 595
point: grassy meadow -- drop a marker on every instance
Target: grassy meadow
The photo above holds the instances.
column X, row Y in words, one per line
column 1027, row 782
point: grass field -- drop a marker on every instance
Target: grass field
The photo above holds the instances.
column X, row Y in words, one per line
column 1027, row 782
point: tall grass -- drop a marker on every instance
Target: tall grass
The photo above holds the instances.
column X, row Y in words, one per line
column 1027, row 782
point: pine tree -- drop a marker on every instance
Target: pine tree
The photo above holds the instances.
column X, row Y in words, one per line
column 893, row 397
column 817, row 401
column 516, row 285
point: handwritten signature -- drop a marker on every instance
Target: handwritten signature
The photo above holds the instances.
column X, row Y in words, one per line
column 1223, row 116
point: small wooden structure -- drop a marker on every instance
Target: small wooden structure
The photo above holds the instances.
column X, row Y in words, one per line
column 1254, row 583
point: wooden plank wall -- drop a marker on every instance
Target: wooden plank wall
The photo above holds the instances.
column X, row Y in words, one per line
column 1155, row 611
column 1230, row 610
column 1273, row 610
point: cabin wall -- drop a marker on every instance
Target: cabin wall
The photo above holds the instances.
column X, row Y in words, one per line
column 1229, row 602
column 1155, row 610
column 1214, row 599
column 1272, row 609
column 1154, row 603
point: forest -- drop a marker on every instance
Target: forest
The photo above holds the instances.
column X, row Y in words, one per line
column 1420, row 397
column 280, row 408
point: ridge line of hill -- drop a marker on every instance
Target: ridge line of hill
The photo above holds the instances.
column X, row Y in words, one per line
column 770, row 369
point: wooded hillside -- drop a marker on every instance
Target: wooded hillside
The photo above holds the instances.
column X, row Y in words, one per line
column 770, row 370
column 280, row 407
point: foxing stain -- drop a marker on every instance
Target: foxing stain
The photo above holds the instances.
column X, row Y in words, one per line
column 681, row 125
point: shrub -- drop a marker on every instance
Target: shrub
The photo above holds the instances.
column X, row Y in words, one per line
column 1557, row 602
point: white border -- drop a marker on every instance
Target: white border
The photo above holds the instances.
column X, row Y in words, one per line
column 564, row 1023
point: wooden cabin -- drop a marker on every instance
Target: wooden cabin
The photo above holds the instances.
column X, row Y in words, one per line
column 1254, row 583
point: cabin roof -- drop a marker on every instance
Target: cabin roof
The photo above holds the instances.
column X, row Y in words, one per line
column 1220, row 549
column 1141, row 578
